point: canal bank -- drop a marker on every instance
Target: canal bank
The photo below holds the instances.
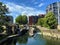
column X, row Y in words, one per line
column 49, row 32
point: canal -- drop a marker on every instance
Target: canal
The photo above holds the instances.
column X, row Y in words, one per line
column 37, row 39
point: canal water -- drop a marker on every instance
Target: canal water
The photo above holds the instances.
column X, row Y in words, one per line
column 37, row 39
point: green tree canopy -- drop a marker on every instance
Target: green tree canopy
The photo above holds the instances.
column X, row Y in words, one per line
column 3, row 9
column 50, row 20
column 21, row 19
column 24, row 19
column 40, row 21
column 3, row 12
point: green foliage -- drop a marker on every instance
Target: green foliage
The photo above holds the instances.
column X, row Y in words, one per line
column 3, row 9
column 3, row 12
column 1, row 29
column 24, row 19
column 21, row 19
column 40, row 21
column 50, row 20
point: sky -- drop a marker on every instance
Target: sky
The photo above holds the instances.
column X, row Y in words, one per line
column 27, row 7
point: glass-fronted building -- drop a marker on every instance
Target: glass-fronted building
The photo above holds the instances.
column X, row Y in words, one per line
column 55, row 8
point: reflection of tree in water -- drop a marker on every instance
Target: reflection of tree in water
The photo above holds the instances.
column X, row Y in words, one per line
column 11, row 41
column 52, row 42
column 23, row 39
column 2, row 37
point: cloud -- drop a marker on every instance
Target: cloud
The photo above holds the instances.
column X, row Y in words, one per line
column 19, row 9
column 41, row 4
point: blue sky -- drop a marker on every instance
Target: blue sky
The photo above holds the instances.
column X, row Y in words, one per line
column 28, row 7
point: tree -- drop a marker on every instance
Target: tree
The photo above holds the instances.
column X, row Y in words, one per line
column 24, row 19
column 3, row 9
column 1, row 29
column 3, row 12
column 40, row 21
column 21, row 19
column 50, row 20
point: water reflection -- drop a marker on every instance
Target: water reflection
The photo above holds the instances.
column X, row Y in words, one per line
column 36, row 40
column 16, row 40
column 9, row 42
column 22, row 40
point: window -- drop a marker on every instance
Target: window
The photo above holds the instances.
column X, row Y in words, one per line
column 55, row 4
